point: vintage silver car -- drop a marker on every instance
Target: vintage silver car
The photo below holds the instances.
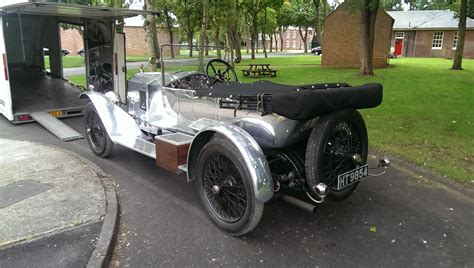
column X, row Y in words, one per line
column 243, row 143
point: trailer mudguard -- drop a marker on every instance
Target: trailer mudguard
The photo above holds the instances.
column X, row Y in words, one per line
column 252, row 154
column 119, row 124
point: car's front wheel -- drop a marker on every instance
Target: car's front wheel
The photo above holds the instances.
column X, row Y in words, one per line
column 225, row 188
column 96, row 134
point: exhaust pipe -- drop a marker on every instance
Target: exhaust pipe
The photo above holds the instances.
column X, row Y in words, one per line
column 297, row 202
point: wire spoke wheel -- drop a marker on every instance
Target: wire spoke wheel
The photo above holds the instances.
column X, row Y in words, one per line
column 96, row 134
column 225, row 189
column 95, row 131
column 344, row 142
column 338, row 143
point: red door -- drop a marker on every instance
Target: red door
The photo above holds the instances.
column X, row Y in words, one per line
column 398, row 46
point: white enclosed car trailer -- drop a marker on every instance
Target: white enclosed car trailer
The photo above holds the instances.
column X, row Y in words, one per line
column 29, row 92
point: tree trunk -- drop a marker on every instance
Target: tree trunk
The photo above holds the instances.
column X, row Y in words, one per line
column 151, row 38
column 303, row 38
column 169, row 26
column 457, row 62
column 190, row 44
column 247, row 45
column 317, row 5
column 276, row 41
column 171, row 41
column 217, row 43
column 271, row 42
column 281, row 39
column 207, row 45
column 202, row 37
column 368, row 19
column 264, row 45
column 254, row 36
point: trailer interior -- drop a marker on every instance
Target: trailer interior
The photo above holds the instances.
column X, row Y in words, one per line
column 33, row 88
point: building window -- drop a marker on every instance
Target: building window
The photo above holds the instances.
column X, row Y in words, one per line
column 438, row 40
column 399, row 35
column 294, row 44
column 288, row 34
column 287, row 43
column 455, row 40
column 294, row 34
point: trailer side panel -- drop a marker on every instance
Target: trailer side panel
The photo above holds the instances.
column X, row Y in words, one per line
column 5, row 94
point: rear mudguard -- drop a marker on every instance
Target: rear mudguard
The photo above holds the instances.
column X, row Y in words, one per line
column 252, row 154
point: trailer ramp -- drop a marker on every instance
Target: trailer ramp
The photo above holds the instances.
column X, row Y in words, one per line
column 55, row 126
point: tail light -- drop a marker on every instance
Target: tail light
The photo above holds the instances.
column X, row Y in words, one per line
column 5, row 66
column 24, row 117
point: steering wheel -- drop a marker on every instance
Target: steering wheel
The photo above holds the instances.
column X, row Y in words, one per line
column 218, row 70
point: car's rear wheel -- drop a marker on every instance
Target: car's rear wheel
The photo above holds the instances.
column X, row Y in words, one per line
column 225, row 188
column 96, row 134
column 338, row 143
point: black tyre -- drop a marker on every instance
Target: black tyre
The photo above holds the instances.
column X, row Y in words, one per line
column 96, row 135
column 338, row 143
column 225, row 188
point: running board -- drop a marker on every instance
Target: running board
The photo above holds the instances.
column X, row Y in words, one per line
column 55, row 126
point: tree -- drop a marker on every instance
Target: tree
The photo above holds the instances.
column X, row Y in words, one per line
column 166, row 18
column 466, row 9
column 303, row 17
column 368, row 16
column 392, row 5
column 202, row 38
column 266, row 22
column 151, row 38
column 284, row 20
column 189, row 15
column 318, row 21
column 252, row 7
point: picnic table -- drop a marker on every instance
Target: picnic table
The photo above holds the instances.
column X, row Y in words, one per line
column 258, row 70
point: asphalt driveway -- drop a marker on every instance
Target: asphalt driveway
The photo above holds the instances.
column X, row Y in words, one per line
column 405, row 218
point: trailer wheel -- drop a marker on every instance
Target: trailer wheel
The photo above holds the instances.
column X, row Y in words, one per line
column 225, row 189
column 338, row 143
column 96, row 135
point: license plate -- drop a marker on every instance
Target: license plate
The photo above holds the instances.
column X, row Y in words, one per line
column 352, row 176
column 56, row 113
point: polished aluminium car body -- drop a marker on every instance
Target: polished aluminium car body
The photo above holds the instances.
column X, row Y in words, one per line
column 267, row 145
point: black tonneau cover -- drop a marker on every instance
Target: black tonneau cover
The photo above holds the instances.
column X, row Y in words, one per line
column 305, row 104
column 295, row 102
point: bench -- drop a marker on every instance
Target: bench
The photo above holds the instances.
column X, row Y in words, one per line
column 253, row 73
column 270, row 72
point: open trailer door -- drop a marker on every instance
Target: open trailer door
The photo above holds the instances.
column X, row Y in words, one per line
column 5, row 95
column 120, row 68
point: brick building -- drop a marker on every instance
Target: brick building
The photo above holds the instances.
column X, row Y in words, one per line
column 135, row 41
column 429, row 33
column 341, row 38
column 293, row 41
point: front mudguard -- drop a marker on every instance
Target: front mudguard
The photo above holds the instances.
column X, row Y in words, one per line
column 252, row 154
column 117, row 122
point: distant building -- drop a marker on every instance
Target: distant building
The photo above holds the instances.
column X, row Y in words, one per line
column 292, row 39
column 135, row 40
column 429, row 33
column 341, row 38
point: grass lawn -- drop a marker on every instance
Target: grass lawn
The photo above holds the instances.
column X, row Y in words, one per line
column 78, row 61
column 427, row 115
column 68, row 61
